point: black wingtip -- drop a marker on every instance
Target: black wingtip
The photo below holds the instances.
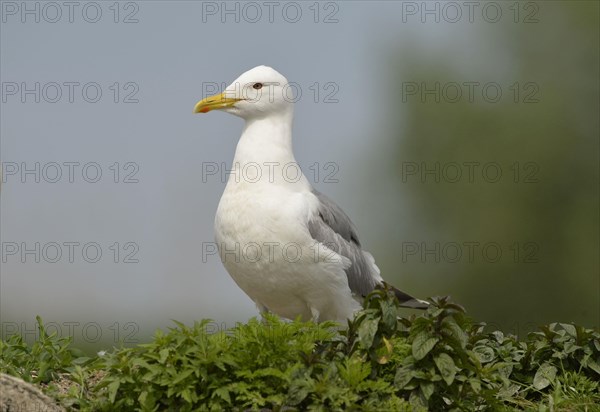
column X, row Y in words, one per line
column 415, row 304
column 405, row 300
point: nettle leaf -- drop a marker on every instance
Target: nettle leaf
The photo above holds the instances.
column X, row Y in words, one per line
column 182, row 375
column 299, row 390
column 417, row 400
column 452, row 328
column 113, row 387
column 367, row 331
column 404, row 375
column 187, row 395
column 570, row 329
column 163, row 354
column 427, row 389
column 508, row 392
column 270, row 372
column 475, row 385
column 422, row 345
column 446, row 366
column 593, row 365
column 223, row 393
column 354, row 371
column 498, row 335
column 456, row 307
column 544, row 376
column 389, row 313
column 420, row 325
column 147, row 402
column 571, row 347
column 485, row 354
column 504, row 369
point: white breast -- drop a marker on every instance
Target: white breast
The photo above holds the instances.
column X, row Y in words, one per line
column 265, row 246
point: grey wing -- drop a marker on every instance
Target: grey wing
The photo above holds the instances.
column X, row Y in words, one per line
column 333, row 228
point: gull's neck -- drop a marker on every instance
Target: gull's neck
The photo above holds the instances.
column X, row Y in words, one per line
column 267, row 139
column 266, row 143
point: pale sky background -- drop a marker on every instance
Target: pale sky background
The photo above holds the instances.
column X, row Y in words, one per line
column 169, row 54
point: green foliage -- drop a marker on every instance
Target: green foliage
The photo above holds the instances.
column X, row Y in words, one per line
column 43, row 361
column 439, row 360
column 268, row 364
column 63, row 371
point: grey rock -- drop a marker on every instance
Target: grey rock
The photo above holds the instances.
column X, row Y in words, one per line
column 17, row 395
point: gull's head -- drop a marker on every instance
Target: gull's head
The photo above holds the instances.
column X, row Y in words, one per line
column 259, row 92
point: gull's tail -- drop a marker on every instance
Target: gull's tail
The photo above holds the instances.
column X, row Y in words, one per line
column 406, row 301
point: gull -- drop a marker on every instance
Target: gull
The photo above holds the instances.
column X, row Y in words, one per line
column 290, row 248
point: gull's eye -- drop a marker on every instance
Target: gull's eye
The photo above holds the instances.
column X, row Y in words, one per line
column 257, row 86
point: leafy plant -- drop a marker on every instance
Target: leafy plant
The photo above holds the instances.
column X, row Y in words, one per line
column 43, row 361
column 438, row 360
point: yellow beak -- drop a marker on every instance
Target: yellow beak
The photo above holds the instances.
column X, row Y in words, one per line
column 216, row 102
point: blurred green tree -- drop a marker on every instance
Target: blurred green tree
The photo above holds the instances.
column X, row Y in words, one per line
column 543, row 211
